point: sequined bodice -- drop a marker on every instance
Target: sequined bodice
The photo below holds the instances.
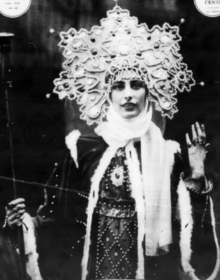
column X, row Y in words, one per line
column 117, row 235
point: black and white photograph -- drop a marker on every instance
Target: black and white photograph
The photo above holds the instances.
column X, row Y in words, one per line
column 109, row 139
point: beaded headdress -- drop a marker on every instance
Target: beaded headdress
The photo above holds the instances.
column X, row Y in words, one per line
column 121, row 48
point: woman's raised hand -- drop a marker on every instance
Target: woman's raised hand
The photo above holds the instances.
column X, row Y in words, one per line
column 196, row 150
column 15, row 212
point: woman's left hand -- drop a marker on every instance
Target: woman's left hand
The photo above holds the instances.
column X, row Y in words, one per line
column 196, row 150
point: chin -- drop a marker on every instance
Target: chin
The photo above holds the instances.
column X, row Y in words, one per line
column 129, row 115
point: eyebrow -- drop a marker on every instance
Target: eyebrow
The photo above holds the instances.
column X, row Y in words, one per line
column 131, row 81
column 117, row 82
column 138, row 81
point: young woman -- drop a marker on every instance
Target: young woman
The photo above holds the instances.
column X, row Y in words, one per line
column 123, row 206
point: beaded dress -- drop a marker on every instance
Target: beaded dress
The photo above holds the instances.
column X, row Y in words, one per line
column 116, row 244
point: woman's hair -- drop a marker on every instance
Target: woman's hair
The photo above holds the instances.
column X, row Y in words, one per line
column 125, row 72
column 122, row 74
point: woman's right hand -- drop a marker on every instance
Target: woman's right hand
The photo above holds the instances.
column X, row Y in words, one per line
column 15, row 212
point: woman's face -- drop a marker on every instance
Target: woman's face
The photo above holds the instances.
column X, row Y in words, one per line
column 129, row 97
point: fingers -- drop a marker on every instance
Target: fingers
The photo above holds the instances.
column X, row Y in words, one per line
column 203, row 131
column 15, row 202
column 15, row 212
column 194, row 134
column 15, row 220
column 22, row 217
column 16, row 208
column 198, row 134
column 188, row 142
column 16, row 216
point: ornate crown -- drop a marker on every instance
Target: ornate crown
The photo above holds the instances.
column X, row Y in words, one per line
column 121, row 46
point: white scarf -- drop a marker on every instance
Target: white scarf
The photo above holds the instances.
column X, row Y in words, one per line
column 150, row 189
column 117, row 131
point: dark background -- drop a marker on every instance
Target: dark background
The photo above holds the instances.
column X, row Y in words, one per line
column 39, row 124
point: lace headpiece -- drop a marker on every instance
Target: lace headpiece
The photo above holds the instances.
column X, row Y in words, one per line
column 121, row 47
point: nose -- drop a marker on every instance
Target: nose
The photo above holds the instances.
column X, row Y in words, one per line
column 128, row 98
column 128, row 95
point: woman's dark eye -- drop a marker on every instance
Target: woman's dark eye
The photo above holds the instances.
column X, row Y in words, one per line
column 118, row 86
column 137, row 85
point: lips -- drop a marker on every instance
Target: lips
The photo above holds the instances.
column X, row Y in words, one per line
column 128, row 105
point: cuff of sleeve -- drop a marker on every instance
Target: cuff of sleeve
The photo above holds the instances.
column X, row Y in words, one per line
column 201, row 186
column 11, row 243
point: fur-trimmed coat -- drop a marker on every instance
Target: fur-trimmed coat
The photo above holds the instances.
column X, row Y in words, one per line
column 61, row 222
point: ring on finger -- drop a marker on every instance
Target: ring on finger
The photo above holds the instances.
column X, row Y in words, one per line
column 189, row 145
column 195, row 142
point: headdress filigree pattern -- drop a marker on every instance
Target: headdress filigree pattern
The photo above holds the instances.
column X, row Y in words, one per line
column 93, row 59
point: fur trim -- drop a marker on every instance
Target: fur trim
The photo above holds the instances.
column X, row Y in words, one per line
column 186, row 220
column 187, row 276
column 186, row 235
column 93, row 198
column 71, row 142
column 30, row 248
column 173, row 146
column 216, row 271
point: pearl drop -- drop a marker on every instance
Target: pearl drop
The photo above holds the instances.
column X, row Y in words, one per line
column 69, row 52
